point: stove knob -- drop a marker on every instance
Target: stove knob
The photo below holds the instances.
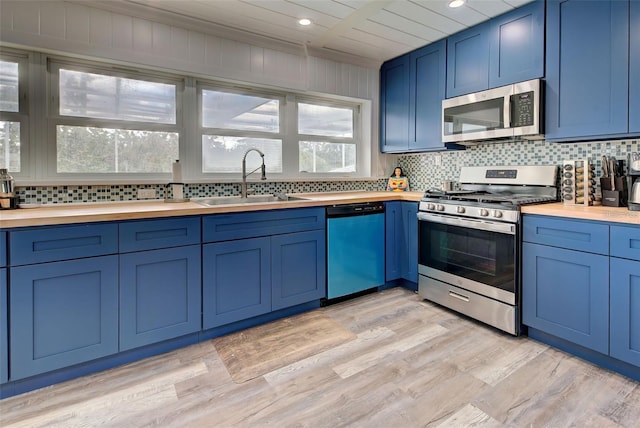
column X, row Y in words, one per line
column 484, row 212
column 460, row 210
column 497, row 214
column 440, row 207
column 431, row 206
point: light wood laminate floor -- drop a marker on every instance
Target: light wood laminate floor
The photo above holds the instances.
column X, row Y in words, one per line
column 412, row 364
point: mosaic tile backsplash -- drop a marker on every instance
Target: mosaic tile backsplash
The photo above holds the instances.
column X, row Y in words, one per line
column 424, row 170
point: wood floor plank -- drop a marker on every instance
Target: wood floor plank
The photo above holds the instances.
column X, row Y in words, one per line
column 411, row 364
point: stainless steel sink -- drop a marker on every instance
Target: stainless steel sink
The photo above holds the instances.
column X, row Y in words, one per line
column 252, row 199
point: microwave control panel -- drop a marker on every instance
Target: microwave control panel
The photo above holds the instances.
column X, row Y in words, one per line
column 522, row 109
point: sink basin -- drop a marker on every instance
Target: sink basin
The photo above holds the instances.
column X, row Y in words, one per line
column 252, row 199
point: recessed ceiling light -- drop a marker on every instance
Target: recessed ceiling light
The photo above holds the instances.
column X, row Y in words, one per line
column 456, row 3
column 304, row 21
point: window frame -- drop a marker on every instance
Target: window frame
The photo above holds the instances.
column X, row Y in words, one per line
column 355, row 140
column 54, row 118
column 23, row 59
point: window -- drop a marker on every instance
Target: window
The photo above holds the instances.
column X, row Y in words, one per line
column 13, row 111
column 326, row 139
column 234, row 122
column 108, row 122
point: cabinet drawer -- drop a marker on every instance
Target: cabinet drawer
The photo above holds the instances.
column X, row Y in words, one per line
column 625, row 242
column 153, row 234
column 37, row 245
column 226, row 227
column 589, row 236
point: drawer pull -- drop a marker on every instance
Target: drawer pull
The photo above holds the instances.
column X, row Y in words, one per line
column 458, row 296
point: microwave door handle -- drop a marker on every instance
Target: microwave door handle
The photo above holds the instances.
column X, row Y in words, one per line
column 507, row 111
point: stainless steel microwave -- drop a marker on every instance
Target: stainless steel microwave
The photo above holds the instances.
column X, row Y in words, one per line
column 504, row 113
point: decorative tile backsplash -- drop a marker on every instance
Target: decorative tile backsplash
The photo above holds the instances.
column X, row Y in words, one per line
column 128, row 192
column 424, row 170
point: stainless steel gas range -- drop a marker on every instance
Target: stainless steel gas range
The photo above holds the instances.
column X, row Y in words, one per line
column 469, row 241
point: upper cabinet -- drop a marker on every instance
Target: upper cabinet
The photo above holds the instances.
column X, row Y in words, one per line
column 394, row 105
column 504, row 50
column 634, row 67
column 592, row 81
column 411, row 92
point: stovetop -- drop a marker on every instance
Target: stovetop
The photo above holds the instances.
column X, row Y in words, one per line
column 494, row 193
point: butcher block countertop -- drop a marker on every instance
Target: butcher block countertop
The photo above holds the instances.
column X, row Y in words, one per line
column 598, row 212
column 55, row 214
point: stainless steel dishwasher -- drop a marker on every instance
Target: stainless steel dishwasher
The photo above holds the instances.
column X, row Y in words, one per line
column 355, row 248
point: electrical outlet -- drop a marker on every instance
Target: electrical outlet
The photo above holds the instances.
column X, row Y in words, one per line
column 437, row 160
column 146, row 193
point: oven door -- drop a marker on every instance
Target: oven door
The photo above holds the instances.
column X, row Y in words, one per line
column 476, row 255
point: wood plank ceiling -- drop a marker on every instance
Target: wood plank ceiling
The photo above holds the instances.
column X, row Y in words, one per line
column 373, row 30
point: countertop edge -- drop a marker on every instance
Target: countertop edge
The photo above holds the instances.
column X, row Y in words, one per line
column 577, row 212
column 133, row 210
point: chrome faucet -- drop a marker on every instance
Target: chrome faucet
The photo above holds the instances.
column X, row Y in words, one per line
column 243, row 187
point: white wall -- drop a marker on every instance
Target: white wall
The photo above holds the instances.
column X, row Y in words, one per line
column 78, row 29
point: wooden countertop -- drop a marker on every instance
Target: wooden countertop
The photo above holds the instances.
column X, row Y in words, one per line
column 598, row 212
column 109, row 211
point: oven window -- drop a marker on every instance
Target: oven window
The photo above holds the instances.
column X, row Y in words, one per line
column 480, row 116
column 481, row 256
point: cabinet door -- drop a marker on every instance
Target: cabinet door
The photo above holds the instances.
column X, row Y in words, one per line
column 427, row 90
column 409, row 264
column 625, row 316
column 587, row 68
column 236, row 281
column 159, row 295
column 63, row 313
column 517, row 45
column 298, row 269
column 566, row 293
column 468, row 61
column 634, row 67
column 394, row 105
column 393, row 237
column 4, row 343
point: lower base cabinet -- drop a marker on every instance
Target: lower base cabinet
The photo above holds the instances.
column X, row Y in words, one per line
column 625, row 310
column 4, row 343
column 250, row 277
column 566, row 294
column 298, row 273
column 159, row 295
column 401, row 235
column 236, row 278
column 62, row 313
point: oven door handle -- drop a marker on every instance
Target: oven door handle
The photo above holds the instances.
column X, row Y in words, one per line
column 492, row 226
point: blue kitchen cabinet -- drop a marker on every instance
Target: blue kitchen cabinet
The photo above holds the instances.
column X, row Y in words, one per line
column 3, row 248
column 587, row 69
column 634, row 67
column 62, row 313
column 505, row 50
column 401, row 241
column 566, row 294
column 4, row 322
column 516, row 45
column 394, row 105
column 160, row 295
column 393, row 240
column 468, row 60
column 409, row 265
column 236, row 280
column 625, row 316
column 159, row 233
column 258, row 262
column 298, row 268
column 427, row 87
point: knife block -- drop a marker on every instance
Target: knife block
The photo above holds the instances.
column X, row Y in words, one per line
column 614, row 198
